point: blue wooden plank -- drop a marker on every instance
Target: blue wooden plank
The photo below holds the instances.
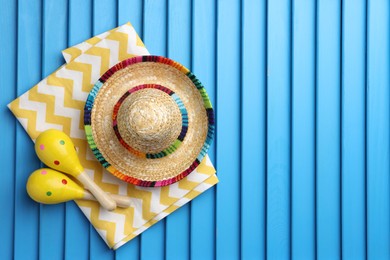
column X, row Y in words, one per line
column 155, row 39
column 8, row 26
column 76, row 225
column 153, row 242
column 98, row 248
column 278, row 129
column 54, row 34
column 253, row 129
column 204, row 67
column 79, row 21
column 130, row 11
column 177, row 233
column 328, row 130
column 104, row 18
column 378, row 134
column 155, row 26
column 303, row 131
column 129, row 250
column 28, row 69
column 353, row 130
column 77, row 233
column 228, row 138
column 54, row 38
column 179, row 31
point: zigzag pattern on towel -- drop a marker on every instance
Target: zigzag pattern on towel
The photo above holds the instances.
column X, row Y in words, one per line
column 202, row 187
column 127, row 30
column 87, row 67
column 144, row 211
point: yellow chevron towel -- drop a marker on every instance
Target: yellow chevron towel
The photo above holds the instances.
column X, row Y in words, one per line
column 58, row 102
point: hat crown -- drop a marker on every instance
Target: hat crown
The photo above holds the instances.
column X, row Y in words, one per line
column 149, row 121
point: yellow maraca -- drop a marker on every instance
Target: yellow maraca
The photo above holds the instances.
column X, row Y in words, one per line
column 51, row 187
column 55, row 149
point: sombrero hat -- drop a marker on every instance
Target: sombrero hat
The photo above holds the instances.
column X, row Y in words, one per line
column 149, row 121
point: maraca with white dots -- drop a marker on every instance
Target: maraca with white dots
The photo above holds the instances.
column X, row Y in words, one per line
column 55, row 149
column 49, row 186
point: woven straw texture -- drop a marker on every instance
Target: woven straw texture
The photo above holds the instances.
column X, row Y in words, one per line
column 148, row 121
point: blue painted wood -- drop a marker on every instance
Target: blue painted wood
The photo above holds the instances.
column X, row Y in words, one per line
column 353, row 130
column 228, row 118
column 129, row 250
column 26, row 230
column 303, row 131
column 317, row 124
column 79, row 21
column 104, row 15
column 8, row 50
column 204, row 67
column 155, row 28
column 177, row 233
column 328, row 130
column 131, row 11
column 76, row 224
column 278, row 129
column 54, row 39
column 253, row 120
column 153, row 239
column 378, row 134
column 98, row 248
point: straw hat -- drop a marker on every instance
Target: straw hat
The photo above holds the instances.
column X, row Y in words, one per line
column 149, row 121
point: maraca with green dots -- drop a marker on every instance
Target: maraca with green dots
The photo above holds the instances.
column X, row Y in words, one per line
column 49, row 186
column 55, row 149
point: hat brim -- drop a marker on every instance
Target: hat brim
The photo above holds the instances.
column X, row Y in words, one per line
column 113, row 156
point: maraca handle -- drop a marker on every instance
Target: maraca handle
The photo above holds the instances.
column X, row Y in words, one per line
column 104, row 199
column 121, row 201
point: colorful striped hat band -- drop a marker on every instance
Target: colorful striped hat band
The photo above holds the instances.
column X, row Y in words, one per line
column 149, row 121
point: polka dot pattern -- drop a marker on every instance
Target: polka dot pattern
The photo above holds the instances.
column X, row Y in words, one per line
column 56, row 162
column 48, row 193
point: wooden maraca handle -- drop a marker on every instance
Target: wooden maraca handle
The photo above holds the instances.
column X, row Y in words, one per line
column 103, row 198
column 121, row 201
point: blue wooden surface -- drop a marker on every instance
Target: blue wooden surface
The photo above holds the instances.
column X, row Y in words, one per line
column 228, row 105
column 303, row 217
column 301, row 90
column 328, row 129
column 253, row 145
column 278, row 151
column 378, row 134
column 353, row 131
